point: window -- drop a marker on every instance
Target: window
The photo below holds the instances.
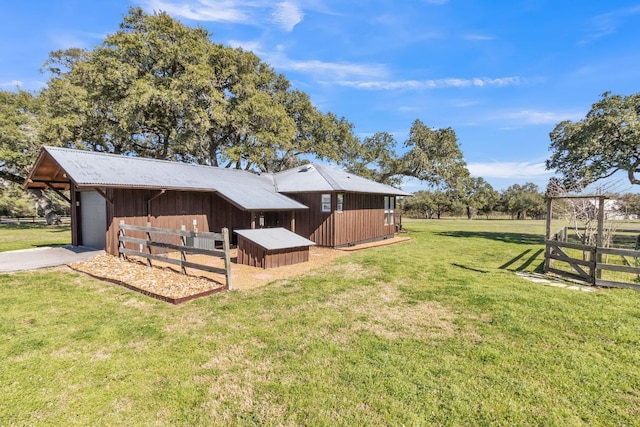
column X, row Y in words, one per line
column 339, row 202
column 326, row 203
column 389, row 205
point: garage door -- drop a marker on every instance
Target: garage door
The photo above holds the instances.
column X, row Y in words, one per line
column 93, row 214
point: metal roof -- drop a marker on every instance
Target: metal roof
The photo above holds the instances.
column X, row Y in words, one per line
column 275, row 238
column 247, row 190
column 316, row 177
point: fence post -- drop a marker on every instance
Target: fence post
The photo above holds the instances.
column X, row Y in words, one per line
column 227, row 257
column 183, row 256
column 596, row 273
column 547, row 235
column 120, row 242
column 599, row 238
column 148, row 245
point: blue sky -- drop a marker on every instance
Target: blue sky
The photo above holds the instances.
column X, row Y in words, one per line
column 501, row 73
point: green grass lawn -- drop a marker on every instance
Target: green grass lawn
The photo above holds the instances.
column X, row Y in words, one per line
column 435, row 331
column 27, row 235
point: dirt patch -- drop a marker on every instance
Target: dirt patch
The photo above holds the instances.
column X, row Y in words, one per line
column 381, row 310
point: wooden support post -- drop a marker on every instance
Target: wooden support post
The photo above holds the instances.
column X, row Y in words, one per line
column 600, row 236
column 120, row 242
column 547, row 235
column 227, row 256
column 293, row 221
column 148, row 246
column 183, row 256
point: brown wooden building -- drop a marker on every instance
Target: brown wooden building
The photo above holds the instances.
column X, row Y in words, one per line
column 344, row 209
column 325, row 205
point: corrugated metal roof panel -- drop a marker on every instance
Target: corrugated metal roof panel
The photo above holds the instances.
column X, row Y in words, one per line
column 317, row 178
column 275, row 238
column 247, row 190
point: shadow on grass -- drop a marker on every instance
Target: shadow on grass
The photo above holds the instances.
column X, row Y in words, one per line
column 477, row 270
column 522, row 238
column 526, row 261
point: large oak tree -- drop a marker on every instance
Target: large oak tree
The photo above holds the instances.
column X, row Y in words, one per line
column 606, row 141
column 156, row 88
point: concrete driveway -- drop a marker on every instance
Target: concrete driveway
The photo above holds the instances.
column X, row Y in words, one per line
column 49, row 256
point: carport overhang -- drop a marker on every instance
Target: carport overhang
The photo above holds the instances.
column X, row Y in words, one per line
column 45, row 174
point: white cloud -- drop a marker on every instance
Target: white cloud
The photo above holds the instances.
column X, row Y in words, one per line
column 508, row 170
column 463, row 103
column 253, row 46
column 608, row 23
column 12, row 84
column 322, row 69
column 28, row 85
column 433, row 84
column 477, row 37
column 533, row 117
column 287, row 14
column 67, row 40
column 326, row 70
column 202, row 10
column 338, row 69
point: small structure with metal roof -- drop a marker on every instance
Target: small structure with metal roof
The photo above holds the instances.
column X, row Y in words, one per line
column 271, row 247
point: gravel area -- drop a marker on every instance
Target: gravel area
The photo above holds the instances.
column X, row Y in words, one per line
column 164, row 279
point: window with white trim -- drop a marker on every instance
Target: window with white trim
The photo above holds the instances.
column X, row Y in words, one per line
column 339, row 202
column 389, row 207
column 326, row 202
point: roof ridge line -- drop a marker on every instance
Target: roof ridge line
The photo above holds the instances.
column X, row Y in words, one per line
column 327, row 177
column 140, row 158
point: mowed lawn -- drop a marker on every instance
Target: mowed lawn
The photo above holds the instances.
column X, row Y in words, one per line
column 28, row 235
column 435, row 331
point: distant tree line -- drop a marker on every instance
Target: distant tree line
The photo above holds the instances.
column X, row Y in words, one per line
column 517, row 202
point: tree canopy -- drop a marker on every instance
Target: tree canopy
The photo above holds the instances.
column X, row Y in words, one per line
column 431, row 155
column 606, row 141
column 521, row 201
column 157, row 88
column 19, row 131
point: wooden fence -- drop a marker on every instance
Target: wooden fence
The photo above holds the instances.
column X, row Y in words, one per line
column 593, row 261
column 187, row 240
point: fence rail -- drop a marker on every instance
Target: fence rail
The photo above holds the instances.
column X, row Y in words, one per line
column 590, row 266
column 186, row 246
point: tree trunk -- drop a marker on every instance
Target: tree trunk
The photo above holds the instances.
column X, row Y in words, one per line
column 50, row 214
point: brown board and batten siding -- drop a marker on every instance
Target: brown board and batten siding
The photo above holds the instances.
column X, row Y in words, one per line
column 254, row 255
column 272, row 247
column 172, row 209
column 361, row 220
column 314, row 224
